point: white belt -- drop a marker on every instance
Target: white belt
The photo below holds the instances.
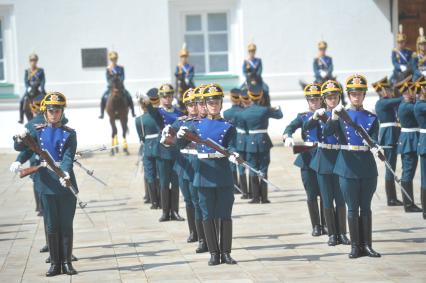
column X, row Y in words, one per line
column 44, row 163
column 329, row 146
column 409, row 130
column 423, row 131
column 355, row 147
column 210, row 155
column 240, row 131
column 390, row 124
column 260, row 131
column 152, row 136
column 189, row 151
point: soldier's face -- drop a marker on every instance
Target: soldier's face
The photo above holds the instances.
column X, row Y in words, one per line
column 356, row 98
column 184, row 59
column 322, row 51
column 53, row 116
column 314, row 103
column 252, row 53
column 202, row 109
column 33, row 63
column 385, row 92
column 192, row 108
column 214, row 106
column 422, row 47
column 401, row 44
column 113, row 61
column 332, row 100
column 245, row 102
column 408, row 96
column 167, row 100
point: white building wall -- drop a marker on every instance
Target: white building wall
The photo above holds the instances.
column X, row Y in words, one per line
column 57, row 30
column 148, row 35
column 287, row 32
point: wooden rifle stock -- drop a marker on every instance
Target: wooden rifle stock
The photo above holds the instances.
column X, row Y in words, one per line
column 28, row 171
column 303, row 148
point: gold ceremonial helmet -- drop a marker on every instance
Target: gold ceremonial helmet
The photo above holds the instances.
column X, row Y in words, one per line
column 400, row 36
column 322, row 45
column 53, row 100
column 382, row 83
column 184, row 51
column 330, row 87
column 113, row 55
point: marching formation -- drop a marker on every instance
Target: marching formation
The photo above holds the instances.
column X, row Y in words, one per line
column 188, row 147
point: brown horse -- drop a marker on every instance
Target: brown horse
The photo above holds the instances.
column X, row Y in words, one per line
column 117, row 108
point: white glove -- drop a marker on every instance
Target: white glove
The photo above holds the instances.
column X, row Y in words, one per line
column 233, row 158
column 64, row 179
column 337, row 109
column 181, row 133
column 186, row 81
column 375, row 150
column 289, row 142
column 318, row 113
column 424, row 73
column 323, row 73
column 15, row 167
column 403, row 68
column 28, row 89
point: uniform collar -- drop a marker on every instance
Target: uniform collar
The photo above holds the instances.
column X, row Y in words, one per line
column 351, row 107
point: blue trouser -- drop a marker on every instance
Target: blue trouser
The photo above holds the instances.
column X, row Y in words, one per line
column 242, row 169
column 330, row 190
column 259, row 161
column 423, row 171
column 310, row 182
column 186, row 190
column 59, row 211
column 196, row 203
column 391, row 156
column 166, row 173
column 216, row 202
column 409, row 166
column 150, row 168
column 358, row 194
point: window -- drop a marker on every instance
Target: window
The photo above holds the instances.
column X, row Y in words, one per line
column 2, row 78
column 94, row 57
column 206, row 37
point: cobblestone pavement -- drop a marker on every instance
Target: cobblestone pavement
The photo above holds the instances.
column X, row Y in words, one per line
column 272, row 242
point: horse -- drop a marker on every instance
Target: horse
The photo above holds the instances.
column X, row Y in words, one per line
column 29, row 97
column 254, row 79
column 117, row 108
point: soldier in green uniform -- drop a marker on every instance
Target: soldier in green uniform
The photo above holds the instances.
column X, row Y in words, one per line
column 386, row 111
column 148, row 132
column 312, row 94
column 213, row 177
column 323, row 163
column 58, row 202
column 408, row 142
column 230, row 116
column 419, row 87
column 164, row 116
column 258, row 143
column 355, row 165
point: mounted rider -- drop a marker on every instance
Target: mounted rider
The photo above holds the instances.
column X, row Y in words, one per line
column 323, row 64
column 35, row 80
column 418, row 62
column 115, row 75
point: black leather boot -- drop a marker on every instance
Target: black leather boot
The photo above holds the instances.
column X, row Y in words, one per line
column 264, row 192
column 146, row 197
column 131, row 104
column 226, row 242
column 330, row 219
column 55, row 263
column 341, row 226
column 409, row 206
column 37, row 201
column 152, row 190
column 212, row 243
column 21, row 110
column 366, row 225
column 103, row 104
column 165, row 204
column 353, row 223
column 315, row 218
column 254, row 182
column 174, row 205
column 202, row 244
column 67, row 243
column 190, row 215
column 243, row 186
column 158, row 192
column 423, row 197
column 391, row 193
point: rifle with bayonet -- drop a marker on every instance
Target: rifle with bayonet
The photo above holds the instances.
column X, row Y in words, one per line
column 343, row 114
column 29, row 141
column 219, row 148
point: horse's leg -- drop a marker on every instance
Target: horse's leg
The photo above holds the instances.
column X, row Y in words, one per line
column 123, row 120
column 114, row 133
